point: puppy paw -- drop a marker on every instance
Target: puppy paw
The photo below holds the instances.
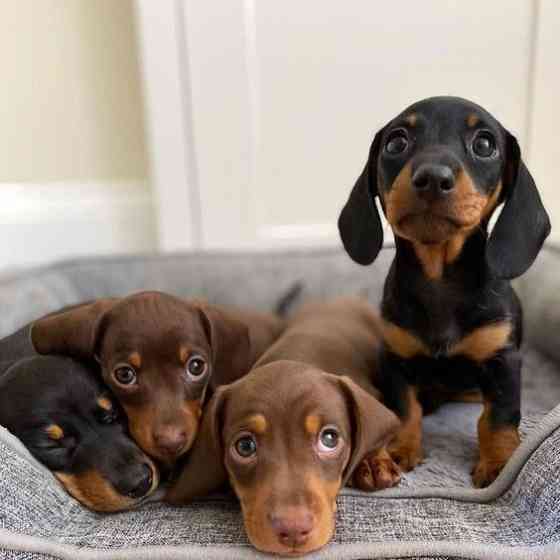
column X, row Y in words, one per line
column 407, row 457
column 486, row 472
column 376, row 472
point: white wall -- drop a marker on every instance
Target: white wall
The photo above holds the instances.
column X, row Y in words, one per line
column 73, row 163
column 544, row 116
column 275, row 104
column 258, row 114
column 70, row 102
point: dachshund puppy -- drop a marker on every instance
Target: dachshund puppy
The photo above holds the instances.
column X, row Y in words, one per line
column 65, row 417
column 452, row 322
column 159, row 354
column 290, row 434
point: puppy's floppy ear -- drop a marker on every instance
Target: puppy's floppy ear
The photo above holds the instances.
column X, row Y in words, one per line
column 203, row 470
column 373, row 424
column 73, row 331
column 523, row 224
column 359, row 222
column 230, row 343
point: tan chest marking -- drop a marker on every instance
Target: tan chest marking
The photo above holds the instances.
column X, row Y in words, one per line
column 484, row 342
column 479, row 345
column 432, row 258
column 402, row 342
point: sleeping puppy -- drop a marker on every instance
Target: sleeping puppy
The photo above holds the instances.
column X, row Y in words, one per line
column 290, row 434
column 60, row 411
column 159, row 354
column 452, row 322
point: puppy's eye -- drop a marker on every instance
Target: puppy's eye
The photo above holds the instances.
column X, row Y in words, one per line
column 484, row 144
column 196, row 366
column 397, row 142
column 245, row 447
column 124, row 375
column 329, row 440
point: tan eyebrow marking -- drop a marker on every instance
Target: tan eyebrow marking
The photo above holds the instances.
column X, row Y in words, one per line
column 411, row 119
column 482, row 343
column 472, row 120
column 105, row 403
column 257, row 423
column 312, row 424
column 54, row 431
column 183, row 354
column 135, row 359
column 402, row 342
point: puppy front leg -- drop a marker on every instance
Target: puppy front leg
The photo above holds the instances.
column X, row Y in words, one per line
column 401, row 396
column 406, row 448
column 498, row 434
column 377, row 471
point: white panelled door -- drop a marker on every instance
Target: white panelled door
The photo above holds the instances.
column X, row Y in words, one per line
column 281, row 100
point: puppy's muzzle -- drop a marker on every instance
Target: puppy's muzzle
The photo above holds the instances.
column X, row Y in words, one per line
column 171, row 440
column 138, row 482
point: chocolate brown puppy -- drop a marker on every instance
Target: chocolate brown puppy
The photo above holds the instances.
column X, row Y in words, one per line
column 292, row 432
column 160, row 355
column 452, row 322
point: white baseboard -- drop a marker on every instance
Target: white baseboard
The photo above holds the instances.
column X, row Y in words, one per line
column 40, row 223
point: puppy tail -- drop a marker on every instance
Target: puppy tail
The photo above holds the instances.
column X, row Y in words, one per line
column 287, row 301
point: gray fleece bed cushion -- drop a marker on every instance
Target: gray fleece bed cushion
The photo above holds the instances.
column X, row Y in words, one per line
column 434, row 513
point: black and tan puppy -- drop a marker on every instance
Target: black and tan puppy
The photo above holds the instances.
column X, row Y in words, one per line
column 452, row 322
column 292, row 432
column 60, row 411
column 160, row 355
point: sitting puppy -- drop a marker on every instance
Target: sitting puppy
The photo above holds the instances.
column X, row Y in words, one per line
column 159, row 354
column 59, row 410
column 290, row 434
column 452, row 322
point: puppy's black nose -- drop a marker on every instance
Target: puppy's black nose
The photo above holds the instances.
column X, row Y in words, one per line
column 139, row 482
column 434, row 179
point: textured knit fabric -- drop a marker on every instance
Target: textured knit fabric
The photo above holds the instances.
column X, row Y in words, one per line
column 434, row 513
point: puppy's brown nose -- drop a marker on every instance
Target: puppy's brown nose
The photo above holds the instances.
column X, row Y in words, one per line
column 292, row 526
column 432, row 179
column 170, row 440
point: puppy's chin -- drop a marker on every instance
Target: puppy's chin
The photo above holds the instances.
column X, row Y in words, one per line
column 428, row 228
column 256, row 518
column 96, row 493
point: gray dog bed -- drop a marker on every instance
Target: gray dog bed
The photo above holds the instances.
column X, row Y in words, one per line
column 434, row 513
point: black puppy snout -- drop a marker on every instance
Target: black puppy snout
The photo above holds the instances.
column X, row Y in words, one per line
column 140, row 482
column 436, row 179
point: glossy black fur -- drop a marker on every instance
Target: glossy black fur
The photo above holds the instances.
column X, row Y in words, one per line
column 442, row 313
column 474, row 289
column 441, row 135
column 37, row 392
